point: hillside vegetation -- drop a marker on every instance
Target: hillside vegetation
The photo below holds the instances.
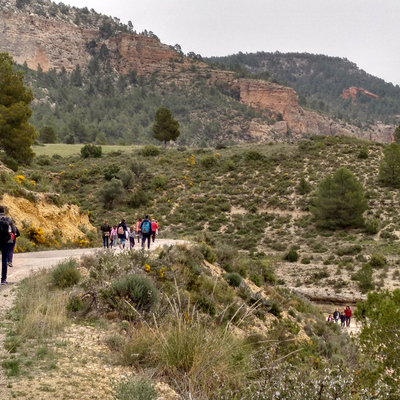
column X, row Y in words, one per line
column 101, row 106
column 320, row 80
column 254, row 199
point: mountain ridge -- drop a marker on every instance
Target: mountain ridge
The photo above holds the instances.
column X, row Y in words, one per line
column 60, row 45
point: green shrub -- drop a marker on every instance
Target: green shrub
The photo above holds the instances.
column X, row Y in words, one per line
column 126, row 179
column 364, row 278
column 253, row 155
column 134, row 388
column 11, row 163
column 372, row 226
column 65, row 274
column 377, row 260
column 339, row 201
column 138, row 198
column 208, row 253
column 206, row 304
column 110, row 192
column 43, row 160
column 90, row 150
column 150, row 151
column 292, row 256
column 304, row 187
column 111, row 172
column 363, row 153
column 159, row 182
column 208, row 162
column 233, row 279
column 75, row 304
column 138, row 289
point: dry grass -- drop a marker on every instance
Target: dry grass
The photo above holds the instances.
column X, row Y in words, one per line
column 193, row 354
column 41, row 310
column 67, row 150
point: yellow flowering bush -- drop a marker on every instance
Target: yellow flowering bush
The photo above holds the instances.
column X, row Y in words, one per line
column 20, row 179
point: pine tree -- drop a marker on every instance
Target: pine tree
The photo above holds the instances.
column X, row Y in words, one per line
column 16, row 134
column 165, row 127
column 389, row 169
column 339, row 201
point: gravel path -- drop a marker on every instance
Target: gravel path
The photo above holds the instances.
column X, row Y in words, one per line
column 24, row 264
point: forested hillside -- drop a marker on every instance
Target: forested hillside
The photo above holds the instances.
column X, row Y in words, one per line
column 100, row 105
column 320, row 80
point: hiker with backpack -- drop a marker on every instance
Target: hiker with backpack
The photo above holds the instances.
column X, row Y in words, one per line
column 11, row 247
column 7, row 236
column 145, row 228
column 121, row 230
column 106, row 230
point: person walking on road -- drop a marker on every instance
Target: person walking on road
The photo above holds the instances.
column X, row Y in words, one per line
column 7, row 236
column 121, row 230
column 106, row 230
column 348, row 314
column 154, row 228
column 145, row 228
column 132, row 236
column 336, row 315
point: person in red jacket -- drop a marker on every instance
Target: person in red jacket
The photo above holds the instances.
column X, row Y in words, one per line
column 154, row 227
column 348, row 314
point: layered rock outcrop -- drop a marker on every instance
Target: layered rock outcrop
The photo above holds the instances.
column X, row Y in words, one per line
column 282, row 100
column 56, row 44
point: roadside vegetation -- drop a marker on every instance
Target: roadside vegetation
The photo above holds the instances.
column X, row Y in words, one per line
column 172, row 316
column 251, row 212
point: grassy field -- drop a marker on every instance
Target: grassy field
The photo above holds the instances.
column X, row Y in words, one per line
column 67, row 150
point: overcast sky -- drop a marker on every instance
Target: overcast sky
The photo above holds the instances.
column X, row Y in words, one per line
column 366, row 32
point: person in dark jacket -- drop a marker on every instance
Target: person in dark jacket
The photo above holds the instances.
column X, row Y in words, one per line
column 146, row 230
column 5, row 245
column 336, row 315
column 106, row 230
column 121, row 231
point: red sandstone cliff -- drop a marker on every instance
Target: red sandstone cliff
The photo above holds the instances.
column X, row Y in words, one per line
column 352, row 93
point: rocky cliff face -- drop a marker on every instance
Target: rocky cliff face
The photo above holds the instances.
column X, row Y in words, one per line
column 56, row 43
column 263, row 95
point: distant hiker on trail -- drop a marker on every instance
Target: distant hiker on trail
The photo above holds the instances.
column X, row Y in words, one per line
column 106, row 231
column 114, row 237
column 342, row 319
column 336, row 315
column 11, row 247
column 121, row 230
column 7, row 236
column 330, row 318
column 138, row 229
column 154, row 228
column 348, row 314
column 132, row 236
column 145, row 228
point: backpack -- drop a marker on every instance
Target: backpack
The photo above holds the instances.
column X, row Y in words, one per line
column 145, row 227
column 4, row 231
column 121, row 230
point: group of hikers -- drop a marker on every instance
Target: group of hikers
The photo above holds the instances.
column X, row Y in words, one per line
column 8, row 235
column 344, row 317
column 144, row 230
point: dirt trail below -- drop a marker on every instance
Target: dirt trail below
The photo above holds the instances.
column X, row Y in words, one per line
column 24, row 264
